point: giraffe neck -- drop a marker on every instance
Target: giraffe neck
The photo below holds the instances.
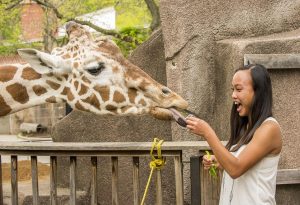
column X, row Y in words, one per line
column 22, row 87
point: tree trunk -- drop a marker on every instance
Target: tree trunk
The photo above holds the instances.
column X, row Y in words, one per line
column 153, row 8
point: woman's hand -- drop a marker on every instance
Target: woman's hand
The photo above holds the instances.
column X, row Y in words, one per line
column 209, row 161
column 198, row 126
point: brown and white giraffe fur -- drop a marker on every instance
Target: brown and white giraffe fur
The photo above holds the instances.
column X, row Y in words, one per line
column 90, row 75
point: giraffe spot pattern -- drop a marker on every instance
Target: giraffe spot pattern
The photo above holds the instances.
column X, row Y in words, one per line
column 66, row 56
column 83, row 89
column 39, row 90
column 52, row 84
column 142, row 102
column 132, row 93
column 116, row 69
column 143, row 86
column 75, row 65
column 30, row 74
column 66, row 76
column 103, row 91
column 92, row 99
column 76, row 83
column 85, row 79
column 51, row 100
column 4, row 108
column 18, row 92
column 124, row 109
column 7, row 73
column 78, row 106
column 111, row 108
column 58, row 78
column 118, row 97
column 66, row 91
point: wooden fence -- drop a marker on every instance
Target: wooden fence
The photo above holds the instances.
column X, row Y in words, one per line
column 94, row 150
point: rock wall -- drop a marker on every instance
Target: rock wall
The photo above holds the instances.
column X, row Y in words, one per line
column 205, row 41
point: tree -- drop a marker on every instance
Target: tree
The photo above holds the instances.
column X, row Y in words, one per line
column 129, row 14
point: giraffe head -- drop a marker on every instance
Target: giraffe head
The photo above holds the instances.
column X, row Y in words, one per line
column 99, row 79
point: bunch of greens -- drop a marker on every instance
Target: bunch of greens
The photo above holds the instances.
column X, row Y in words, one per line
column 213, row 168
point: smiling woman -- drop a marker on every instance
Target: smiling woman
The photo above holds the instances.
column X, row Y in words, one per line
column 250, row 159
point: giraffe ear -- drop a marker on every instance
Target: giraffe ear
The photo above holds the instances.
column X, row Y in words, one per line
column 45, row 62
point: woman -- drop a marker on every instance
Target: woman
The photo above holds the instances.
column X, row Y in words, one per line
column 250, row 158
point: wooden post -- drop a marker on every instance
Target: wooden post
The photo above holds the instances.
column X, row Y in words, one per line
column 14, row 180
column 158, row 188
column 34, row 178
column 136, row 182
column 53, row 180
column 1, row 188
column 73, row 180
column 195, row 180
column 178, row 180
column 115, row 197
column 94, row 181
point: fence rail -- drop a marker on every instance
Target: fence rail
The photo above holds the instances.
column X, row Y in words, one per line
column 93, row 150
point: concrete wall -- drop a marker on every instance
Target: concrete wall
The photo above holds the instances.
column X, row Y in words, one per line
column 205, row 41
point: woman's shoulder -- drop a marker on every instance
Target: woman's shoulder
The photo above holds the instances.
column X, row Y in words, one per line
column 272, row 119
column 270, row 124
column 270, row 132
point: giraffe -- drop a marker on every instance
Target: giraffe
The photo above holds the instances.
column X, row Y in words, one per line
column 90, row 74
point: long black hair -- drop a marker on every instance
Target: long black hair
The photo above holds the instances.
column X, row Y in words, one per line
column 243, row 128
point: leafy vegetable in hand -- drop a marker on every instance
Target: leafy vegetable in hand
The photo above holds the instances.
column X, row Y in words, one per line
column 213, row 168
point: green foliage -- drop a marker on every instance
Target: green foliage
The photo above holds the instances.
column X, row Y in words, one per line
column 8, row 49
column 132, row 16
column 138, row 35
column 9, row 24
column 132, row 13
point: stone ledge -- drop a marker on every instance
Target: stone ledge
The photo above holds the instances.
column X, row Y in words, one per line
column 274, row 61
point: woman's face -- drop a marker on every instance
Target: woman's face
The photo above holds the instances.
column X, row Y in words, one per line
column 243, row 92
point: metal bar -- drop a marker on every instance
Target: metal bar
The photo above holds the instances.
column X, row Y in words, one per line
column 14, row 180
column 136, row 182
column 195, row 180
column 115, row 197
column 53, row 180
column 73, row 180
column 158, row 188
column 34, row 177
column 94, row 181
column 178, row 180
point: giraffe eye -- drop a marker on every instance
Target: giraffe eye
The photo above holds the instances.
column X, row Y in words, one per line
column 96, row 70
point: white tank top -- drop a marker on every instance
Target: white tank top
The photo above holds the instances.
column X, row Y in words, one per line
column 257, row 186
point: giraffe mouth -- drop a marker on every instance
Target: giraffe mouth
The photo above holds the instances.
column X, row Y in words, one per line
column 179, row 115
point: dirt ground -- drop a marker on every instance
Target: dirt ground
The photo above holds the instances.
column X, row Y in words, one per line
column 24, row 171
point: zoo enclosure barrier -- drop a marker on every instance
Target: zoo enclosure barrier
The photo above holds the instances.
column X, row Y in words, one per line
column 135, row 150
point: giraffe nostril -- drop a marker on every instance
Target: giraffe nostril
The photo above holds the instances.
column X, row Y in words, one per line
column 166, row 91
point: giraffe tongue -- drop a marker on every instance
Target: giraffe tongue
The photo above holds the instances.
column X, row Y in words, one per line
column 178, row 117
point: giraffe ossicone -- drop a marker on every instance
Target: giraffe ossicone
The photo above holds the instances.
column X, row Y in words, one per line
column 90, row 75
